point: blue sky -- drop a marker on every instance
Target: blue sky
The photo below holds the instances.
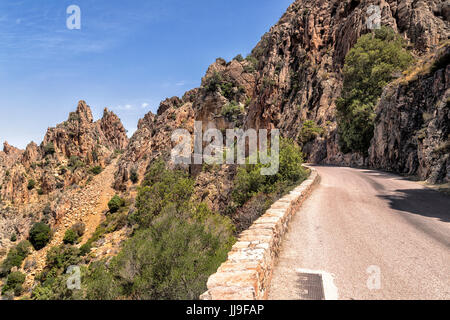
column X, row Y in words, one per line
column 127, row 56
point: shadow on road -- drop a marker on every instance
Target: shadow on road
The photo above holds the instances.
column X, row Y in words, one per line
column 425, row 202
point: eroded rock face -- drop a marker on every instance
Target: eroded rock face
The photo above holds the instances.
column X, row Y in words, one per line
column 301, row 58
column 36, row 183
column 294, row 75
column 114, row 132
column 152, row 140
column 413, row 125
column 79, row 136
column 67, row 149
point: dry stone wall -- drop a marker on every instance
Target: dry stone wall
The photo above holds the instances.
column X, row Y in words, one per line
column 247, row 273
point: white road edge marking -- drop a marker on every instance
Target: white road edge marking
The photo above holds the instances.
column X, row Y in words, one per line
column 329, row 288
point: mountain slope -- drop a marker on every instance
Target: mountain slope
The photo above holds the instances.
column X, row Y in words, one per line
column 294, row 75
column 42, row 176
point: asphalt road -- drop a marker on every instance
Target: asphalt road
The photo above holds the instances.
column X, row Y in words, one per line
column 380, row 236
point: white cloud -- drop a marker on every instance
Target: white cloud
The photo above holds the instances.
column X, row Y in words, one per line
column 145, row 105
column 125, row 107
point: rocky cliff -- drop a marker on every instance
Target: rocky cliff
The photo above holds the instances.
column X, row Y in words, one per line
column 413, row 122
column 66, row 153
column 301, row 60
column 40, row 176
column 293, row 75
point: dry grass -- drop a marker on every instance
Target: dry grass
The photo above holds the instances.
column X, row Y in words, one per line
column 423, row 65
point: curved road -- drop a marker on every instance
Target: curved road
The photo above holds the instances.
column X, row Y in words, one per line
column 368, row 229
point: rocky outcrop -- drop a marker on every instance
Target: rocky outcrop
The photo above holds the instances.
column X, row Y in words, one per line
column 294, row 74
column 412, row 133
column 79, row 136
column 114, row 132
column 11, row 151
column 224, row 84
column 301, row 58
column 31, row 155
column 152, row 140
column 42, row 174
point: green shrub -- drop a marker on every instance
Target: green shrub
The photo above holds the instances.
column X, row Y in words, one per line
column 115, row 204
column 249, row 181
column 15, row 257
column 96, row 170
column 310, row 131
column 60, row 258
column 173, row 259
column 369, row 67
column 53, row 279
column 42, row 293
column 13, row 237
column 227, row 87
column 31, row 184
column 40, row 235
column 161, row 188
column 57, row 290
column 75, row 163
column 213, row 82
column 85, row 249
column 232, row 111
column 70, row 237
column 49, row 149
column 100, row 283
column 14, row 283
column 253, row 64
column 134, row 176
column 239, row 58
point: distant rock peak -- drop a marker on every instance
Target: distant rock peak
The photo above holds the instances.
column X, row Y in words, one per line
column 9, row 149
column 84, row 111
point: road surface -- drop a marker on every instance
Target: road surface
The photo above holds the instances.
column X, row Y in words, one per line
column 379, row 236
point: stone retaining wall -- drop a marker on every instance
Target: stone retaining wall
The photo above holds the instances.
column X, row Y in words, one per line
column 247, row 273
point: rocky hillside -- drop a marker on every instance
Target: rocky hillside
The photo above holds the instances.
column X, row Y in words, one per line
column 294, row 75
column 412, row 133
column 76, row 143
column 40, row 176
